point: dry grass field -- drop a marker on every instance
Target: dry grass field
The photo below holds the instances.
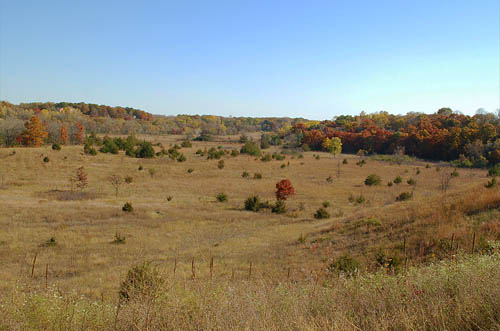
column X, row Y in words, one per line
column 177, row 218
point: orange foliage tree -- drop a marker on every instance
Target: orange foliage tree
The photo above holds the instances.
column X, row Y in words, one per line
column 64, row 135
column 79, row 133
column 34, row 134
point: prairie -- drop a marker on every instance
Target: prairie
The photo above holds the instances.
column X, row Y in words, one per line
column 55, row 237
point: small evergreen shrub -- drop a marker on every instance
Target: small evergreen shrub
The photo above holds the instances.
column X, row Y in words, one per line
column 389, row 184
column 411, row 181
column 398, row 180
column 46, row 159
column 283, row 166
column 253, row 203
column 345, row 161
column 257, row 175
column 221, row 197
column 492, row 183
column 245, row 174
column 494, row 171
column 181, row 158
column 56, row 147
column 186, row 144
column 373, row 180
column 279, row 207
column 404, row 196
column 127, row 207
column 321, row 213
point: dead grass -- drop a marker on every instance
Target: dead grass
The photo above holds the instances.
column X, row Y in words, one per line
column 193, row 225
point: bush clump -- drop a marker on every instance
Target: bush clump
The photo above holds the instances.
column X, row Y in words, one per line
column 404, row 196
column 46, row 159
column 221, row 197
column 321, row 213
column 398, row 180
column 279, row 207
column 251, row 148
column 142, row 281
column 127, row 207
column 253, row 203
column 245, row 174
column 345, row 264
column 373, row 180
column 221, row 164
column 56, row 147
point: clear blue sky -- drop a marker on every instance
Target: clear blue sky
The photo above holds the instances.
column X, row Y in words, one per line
column 312, row 59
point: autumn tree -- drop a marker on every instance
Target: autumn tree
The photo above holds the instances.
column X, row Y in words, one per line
column 63, row 136
column 284, row 189
column 332, row 145
column 80, row 178
column 79, row 133
column 35, row 132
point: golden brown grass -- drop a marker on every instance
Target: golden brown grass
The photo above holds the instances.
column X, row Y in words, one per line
column 36, row 203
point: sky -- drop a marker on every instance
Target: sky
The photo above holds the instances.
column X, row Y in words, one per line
column 311, row 59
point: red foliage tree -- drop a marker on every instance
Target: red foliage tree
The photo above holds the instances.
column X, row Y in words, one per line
column 284, row 189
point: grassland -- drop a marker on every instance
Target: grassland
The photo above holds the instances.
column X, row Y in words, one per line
column 265, row 265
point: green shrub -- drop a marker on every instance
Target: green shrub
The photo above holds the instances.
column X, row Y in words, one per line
column 251, row 148
column 181, row 158
column 50, row 243
column 357, row 200
column 235, row 153
column 140, row 168
column 326, row 204
column 266, row 158
column 221, row 197
column 190, row 170
column 203, row 137
column 186, row 143
column 152, row 172
column 398, row 180
column 345, row 161
column 245, row 174
column 389, row 184
column 253, row 203
column 118, row 239
column 345, row 264
column 129, row 179
column 89, row 150
column 373, row 180
column 321, row 213
column 492, row 183
column 257, row 176
column 454, row 173
column 127, row 207
column 279, row 207
column 361, row 163
column 145, row 150
column 283, row 166
column 411, row 181
column 56, row 147
column 220, row 164
column 404, row 196
column 494, row 171
column 46, row 159
column 214, row 153
column 329, row 179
